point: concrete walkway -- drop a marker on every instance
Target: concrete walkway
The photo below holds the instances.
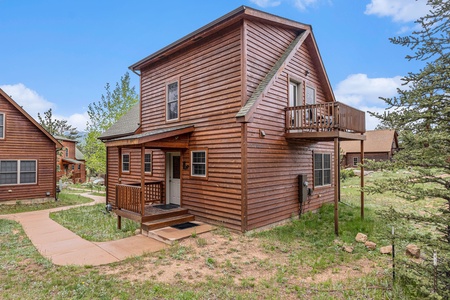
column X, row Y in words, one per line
column 63, row 247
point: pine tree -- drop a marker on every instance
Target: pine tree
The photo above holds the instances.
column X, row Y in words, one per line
column 421, row 114
column 57, row 127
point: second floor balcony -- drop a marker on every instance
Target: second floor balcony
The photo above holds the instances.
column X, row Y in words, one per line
column 325, row 121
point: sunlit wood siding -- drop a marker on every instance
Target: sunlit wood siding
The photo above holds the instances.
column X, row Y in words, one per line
column 24, row 141
column 274, row 163
column 209, row 74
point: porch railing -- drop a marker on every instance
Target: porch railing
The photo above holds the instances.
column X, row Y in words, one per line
column 325, row 117
column 128, row 196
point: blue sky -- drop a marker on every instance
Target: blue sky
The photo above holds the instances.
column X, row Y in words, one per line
column 60, row 54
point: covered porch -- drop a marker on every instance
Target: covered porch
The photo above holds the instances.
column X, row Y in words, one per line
column 333, row 121
column 145, row 201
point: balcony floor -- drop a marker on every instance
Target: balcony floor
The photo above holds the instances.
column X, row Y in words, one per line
column 325, row 135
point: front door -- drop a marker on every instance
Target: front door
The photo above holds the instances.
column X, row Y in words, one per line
column 173, row 171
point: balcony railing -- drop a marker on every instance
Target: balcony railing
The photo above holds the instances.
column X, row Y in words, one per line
column 128, row 196
column 332, row 116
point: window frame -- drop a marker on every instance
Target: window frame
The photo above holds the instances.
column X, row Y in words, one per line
column 3, row 126
column 300, row 84
column 177, row 81
column 148, row 152
column 19, row 172
column 123, row 162
column 66, row 150
column 355, row 161
column 322, row 170
column 205, row 163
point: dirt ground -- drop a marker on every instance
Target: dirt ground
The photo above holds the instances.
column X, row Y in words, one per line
column 242, row 258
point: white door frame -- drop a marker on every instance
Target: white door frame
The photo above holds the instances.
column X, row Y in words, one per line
column 173, row 186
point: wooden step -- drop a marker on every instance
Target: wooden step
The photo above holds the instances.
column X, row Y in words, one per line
column 164, row 215
column 155, row 224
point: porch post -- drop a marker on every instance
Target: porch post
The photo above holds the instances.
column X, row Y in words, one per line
column 362, row 179
column 142, row 180
column 336, row 186
column 119, row 218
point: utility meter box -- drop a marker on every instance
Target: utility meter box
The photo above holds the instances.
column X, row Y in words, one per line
column 303, row 186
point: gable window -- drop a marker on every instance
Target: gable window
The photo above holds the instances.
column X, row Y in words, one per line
column 355, row 161
column 310, row 99
column 2, row 126
column 148, row 162
column 322, row 169
column 67, row 152
column 295, row 92
column 126, row 162
column 18, row 172
column 172, row 101
column 198, row 161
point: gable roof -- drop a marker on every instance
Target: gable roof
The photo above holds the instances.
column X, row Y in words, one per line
column 33, row 121
column 218, row 24
column 376, row 141
column 126, row 125
column 78, row 154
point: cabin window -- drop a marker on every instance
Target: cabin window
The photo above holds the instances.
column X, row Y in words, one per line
column 322, row 169
column 148, row 162
column 2, row 125
column 126, row 162
column 17, row 172
column 198, row 161
column 172, row 108
column 79, row 167
column 310, row 95
column 295, row 92
column 73, row 167
column 355, row 161
column 67, row 152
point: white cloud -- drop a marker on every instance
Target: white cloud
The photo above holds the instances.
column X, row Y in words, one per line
column 29, row 99
column 303, row 4
column 399, row 10
column 266, row 3
column 362, row 92
column 33, row 103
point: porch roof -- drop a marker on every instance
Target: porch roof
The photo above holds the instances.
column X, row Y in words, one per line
column 73, row 161
column 151, row 136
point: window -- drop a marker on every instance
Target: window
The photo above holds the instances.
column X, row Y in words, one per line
column 172, row 101
column 198, row 161
column 73, row 167
column 295, row 92
column 79, row 167
column 311, row 99
column 126, row 162
column 2, row 125
column 17, row 171
column 67, row 152
column 355, row 161
column 322, row 169
column 148, row 163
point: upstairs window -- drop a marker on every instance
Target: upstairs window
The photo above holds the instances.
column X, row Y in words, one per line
column 67, row 152
column 126, row 162
column 295, row 92
column 310, row 95
column 148, row 163
column 322, row 169
column 2, row 125
column 198, row 161
column 172, row 109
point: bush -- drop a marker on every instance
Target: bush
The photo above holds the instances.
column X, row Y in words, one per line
column 347, row 173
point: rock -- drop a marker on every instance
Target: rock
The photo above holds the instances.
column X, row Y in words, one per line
column 361, row 238
column 370, row 245
column 348, row 249
column 386, row 249
column 413, row 251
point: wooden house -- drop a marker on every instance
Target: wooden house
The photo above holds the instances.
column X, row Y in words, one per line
column 70, row 161
column 27, row 155
column 237, row 125
column 380, row 145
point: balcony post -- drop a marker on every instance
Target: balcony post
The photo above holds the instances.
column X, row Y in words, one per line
column 142, row 180
column 336, row 186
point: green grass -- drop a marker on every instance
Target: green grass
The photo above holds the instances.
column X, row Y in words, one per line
column 94, row 224
column 64, row 199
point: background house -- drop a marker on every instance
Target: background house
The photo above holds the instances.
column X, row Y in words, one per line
column 70, row 161
column 237, row 124
column 27, row 155
column 379, row 145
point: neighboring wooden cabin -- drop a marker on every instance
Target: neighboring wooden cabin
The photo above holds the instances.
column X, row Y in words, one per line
column 229, row 117
column 71, row 161
column 27, row 155
column 380, row 145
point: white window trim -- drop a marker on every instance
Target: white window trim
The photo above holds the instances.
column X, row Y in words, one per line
column 206, row 163
column 355, row 161
column 129, row 163
column 18, row 172
column 151, row 162
column 167, row 100
column 322, row 184
column 3, row 126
